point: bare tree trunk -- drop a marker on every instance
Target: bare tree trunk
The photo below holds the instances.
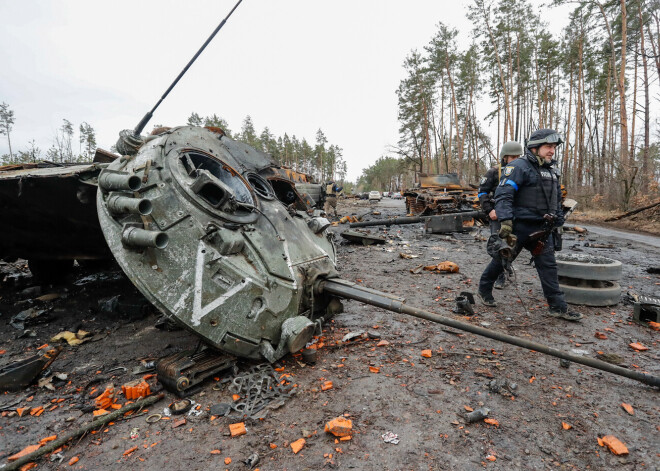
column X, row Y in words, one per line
column 465, row 127
column 499, row 66
column 510, row 74
column 606, row 114
column 568, row 127
column 435, row 142
column 622, row 85
column 654, row 48
column 634, row 107
column 538, row 90
column 459, row 142
column 646, row 177
column 518, row 93
column 579, row 115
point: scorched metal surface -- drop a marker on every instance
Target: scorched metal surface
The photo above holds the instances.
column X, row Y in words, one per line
column 213, row 247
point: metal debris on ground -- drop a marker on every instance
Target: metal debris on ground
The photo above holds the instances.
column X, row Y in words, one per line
column 390, row 437
column 363, row 238
column 252, row 460
column 352, row 336
column 180, row 407
column 464, row 303
column 181, row 372
column 505, row 387
column 258, row 387
column 220, row 410
column 30, row 317
column 309, row 355
column 133, row 307
column 21, row 374
column 646, row 309
column 477, row 415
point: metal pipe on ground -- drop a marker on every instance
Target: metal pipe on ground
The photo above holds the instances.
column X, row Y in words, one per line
column 414, row 219
column 388, row 222
column 374, row 298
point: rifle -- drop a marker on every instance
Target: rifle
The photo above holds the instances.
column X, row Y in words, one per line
column 540, row 238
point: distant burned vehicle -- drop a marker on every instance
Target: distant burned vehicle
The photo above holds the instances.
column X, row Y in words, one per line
column 440, row 194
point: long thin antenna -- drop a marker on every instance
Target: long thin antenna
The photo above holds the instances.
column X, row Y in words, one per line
column 138, row 129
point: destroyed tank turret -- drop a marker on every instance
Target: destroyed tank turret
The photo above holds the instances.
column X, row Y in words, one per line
column 204, row 236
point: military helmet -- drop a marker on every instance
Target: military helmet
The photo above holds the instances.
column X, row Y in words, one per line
column 544, row 136
column 511, row 148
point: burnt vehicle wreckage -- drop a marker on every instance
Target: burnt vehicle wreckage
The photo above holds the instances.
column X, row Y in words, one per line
column 224, row 242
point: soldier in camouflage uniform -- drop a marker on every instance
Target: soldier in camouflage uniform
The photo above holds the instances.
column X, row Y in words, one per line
column 332, row 192
column 509, row 152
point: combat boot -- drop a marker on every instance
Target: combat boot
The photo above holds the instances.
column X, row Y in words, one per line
column 487, row 299
column 565, row 313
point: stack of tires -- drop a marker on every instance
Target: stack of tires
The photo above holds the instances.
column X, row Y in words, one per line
column 589, row 280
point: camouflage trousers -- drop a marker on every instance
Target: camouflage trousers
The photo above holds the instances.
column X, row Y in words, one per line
column 330, row 202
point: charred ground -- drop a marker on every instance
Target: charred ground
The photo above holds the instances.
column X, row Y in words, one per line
column 422, row 400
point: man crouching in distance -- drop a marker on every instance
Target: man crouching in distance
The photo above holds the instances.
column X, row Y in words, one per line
column 509, row 152
column 528, row 196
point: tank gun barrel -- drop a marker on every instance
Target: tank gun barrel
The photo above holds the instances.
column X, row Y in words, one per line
column 369, row 296
column 389, row 221
column 415, row 219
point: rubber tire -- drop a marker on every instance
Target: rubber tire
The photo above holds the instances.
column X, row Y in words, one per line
column 588, row 267
column 608, row 295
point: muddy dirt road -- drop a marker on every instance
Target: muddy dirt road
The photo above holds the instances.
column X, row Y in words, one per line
column 543, row 416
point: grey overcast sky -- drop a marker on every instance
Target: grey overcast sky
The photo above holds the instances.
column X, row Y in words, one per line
column 292, row 65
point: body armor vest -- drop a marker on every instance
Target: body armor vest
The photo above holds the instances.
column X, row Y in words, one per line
column 540, row 197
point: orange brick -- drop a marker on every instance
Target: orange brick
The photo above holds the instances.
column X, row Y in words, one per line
column 339, row 427
column 298, row 445
column 237, row 429
column 615, row 445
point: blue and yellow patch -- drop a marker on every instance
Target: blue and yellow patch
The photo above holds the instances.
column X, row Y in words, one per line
column 508, row 170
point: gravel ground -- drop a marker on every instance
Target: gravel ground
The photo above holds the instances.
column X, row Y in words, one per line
column 545, row 416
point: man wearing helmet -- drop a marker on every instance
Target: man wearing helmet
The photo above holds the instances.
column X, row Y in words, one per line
column 332, row 192
column 528, row 194
column 509, row 152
